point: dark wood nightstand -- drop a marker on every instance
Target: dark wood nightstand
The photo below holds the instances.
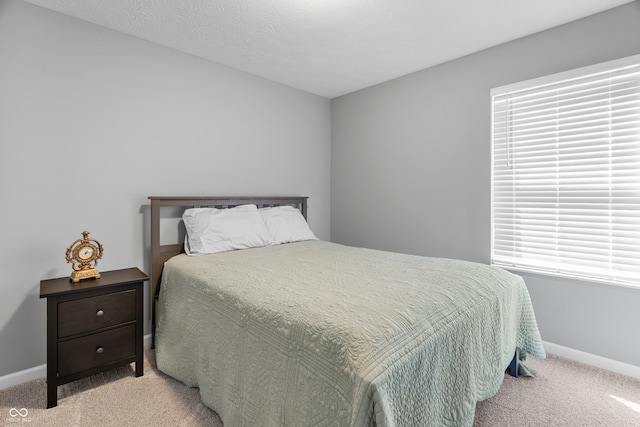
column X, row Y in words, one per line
column 92, row 326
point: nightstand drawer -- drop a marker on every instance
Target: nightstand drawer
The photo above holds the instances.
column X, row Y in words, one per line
column 84, row 353
column 89, row 314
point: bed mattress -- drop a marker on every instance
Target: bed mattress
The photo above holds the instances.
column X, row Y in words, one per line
column 317, row 333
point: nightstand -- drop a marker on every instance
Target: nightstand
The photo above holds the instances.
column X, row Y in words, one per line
column 92, row 326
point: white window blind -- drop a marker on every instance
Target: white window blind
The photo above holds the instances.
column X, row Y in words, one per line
column 566, row 174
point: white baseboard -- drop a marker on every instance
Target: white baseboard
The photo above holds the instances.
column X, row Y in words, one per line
column 34, row 373
column 633, row 371
column 20, row 377
column 593, row 360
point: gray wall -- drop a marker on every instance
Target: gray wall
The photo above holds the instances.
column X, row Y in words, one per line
column 93, row 121
column 410, row 167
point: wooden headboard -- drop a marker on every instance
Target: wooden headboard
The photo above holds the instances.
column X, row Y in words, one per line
column 161, row 253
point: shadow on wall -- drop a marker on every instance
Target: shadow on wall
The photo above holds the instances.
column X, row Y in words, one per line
column 27, row 320
column 172, row 231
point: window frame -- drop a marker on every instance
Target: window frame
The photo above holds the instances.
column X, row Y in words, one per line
column 532, row 84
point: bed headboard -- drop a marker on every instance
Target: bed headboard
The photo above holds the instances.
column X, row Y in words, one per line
column 161, row 253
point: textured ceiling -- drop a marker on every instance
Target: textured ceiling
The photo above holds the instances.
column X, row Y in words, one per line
column 329, row 47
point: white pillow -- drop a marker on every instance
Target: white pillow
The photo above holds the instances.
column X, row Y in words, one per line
column 286, row 224
column 211, row 230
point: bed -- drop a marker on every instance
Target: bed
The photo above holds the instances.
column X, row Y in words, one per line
column 311, row 332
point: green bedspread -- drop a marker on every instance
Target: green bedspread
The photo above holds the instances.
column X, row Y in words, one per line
column 316, row 333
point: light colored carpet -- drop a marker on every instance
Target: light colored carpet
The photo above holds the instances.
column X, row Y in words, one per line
column 563, row 393
column 113, row 398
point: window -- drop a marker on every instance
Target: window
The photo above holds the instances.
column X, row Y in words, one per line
column 566, row 174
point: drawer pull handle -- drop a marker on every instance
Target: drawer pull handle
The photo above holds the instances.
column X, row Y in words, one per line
column 99, row 313
column 100, row 349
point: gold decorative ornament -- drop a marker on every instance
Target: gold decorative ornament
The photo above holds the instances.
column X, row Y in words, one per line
column 83, row 254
